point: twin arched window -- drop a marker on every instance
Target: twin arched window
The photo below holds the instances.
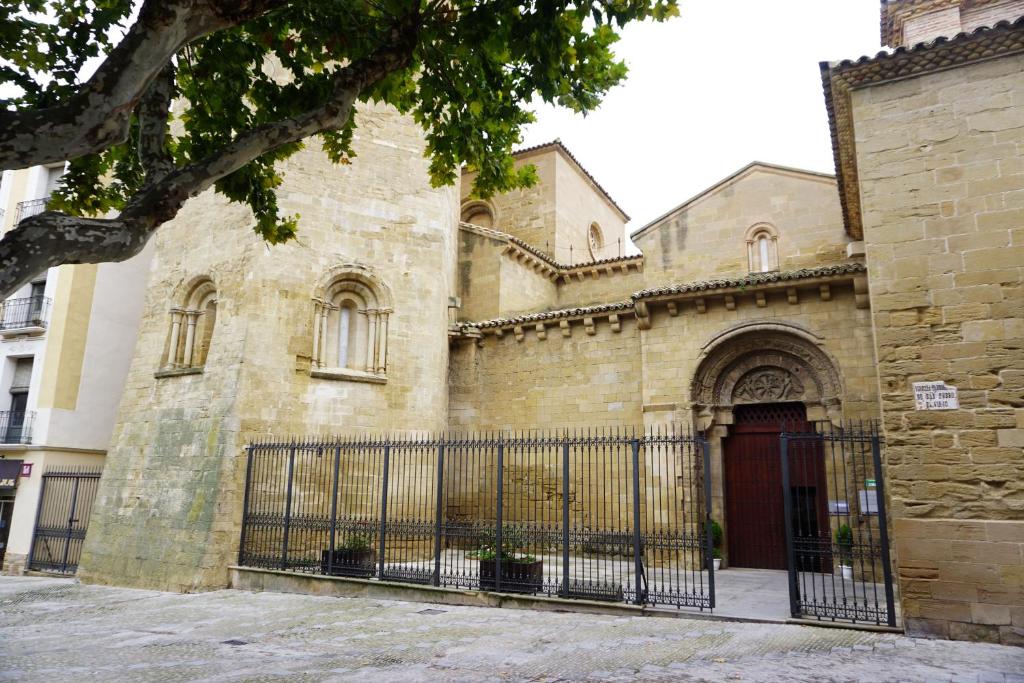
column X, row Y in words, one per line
column 350, row 329
column 762, row 248
column 191, row 327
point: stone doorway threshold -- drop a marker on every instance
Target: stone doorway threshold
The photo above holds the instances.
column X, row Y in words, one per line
column 745, row 595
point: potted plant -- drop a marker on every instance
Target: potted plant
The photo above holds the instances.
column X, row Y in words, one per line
column 844, row 541
column 355, row 557
column 716, row 544
column 521, row 572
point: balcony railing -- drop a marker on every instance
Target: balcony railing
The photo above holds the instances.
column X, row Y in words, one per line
column 30, row 208
column 28, row 314
column 16, row 426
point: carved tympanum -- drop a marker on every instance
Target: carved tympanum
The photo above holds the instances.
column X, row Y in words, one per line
column 768, row 384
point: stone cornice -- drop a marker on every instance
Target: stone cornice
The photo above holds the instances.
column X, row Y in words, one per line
column 838, row 80
column 535, row 258
column 700, row 292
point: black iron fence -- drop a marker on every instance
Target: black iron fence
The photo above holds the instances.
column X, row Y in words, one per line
column 837, row 532
column 30, row 311
column 611, row 516
column 16, row 426
column 65, row 504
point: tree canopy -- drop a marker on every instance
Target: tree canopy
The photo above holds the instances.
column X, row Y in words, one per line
column 465, row 70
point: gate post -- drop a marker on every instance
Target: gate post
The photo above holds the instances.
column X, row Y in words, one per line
column 384, row 508
column 39, row 513
column 245, row 503
column 288, row 506
column 565, row 517
column 334, row 508
column 499, row 517
column 638, row 566
column 883, row 530
column 71, row 525
column 438, row 511
column 794, row 590
column 709, row 542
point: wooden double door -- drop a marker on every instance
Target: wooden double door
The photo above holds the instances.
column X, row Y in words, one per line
column 754, row 494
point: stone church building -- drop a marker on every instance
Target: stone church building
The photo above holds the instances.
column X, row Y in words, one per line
column 806, row 296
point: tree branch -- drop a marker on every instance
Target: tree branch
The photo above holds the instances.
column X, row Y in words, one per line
column 153, row 114
column 97, row 116
column 52, row 238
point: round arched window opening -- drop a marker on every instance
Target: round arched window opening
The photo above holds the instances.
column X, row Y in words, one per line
column 595, row 240
column 478, row 213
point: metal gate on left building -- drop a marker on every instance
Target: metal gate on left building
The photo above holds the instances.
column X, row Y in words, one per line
column 65, row 504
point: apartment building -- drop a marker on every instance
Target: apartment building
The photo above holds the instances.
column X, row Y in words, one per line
column 66, row 341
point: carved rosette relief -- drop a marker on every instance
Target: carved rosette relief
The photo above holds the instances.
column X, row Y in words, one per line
column 768, row 384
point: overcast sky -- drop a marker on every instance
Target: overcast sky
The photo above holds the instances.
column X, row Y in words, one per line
column 726, row 83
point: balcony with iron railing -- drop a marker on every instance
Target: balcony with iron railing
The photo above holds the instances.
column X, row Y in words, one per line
column 24, row 316
column 16, row 426
column 29, row 208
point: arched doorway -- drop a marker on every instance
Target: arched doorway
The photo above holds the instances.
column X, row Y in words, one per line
column 750, row 381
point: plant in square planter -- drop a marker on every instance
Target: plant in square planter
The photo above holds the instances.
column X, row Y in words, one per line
column 521, row 572
column 716, row 544
column 356, row 557
column 844, row 541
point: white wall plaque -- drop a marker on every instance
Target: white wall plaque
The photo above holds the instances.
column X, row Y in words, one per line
column 935, row 396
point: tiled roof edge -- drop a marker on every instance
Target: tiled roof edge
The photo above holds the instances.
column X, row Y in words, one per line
column 751, row 280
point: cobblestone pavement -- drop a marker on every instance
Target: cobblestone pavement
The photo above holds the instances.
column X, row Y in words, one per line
column 57, row 630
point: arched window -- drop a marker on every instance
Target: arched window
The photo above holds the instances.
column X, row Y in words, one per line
column 595, row 241
column 350, row 323
column 479, row 213
column 762, row 248
column 191, row 327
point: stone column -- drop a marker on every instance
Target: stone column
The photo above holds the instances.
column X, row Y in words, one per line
column 317, row 322
column 382, row 356
column 190, row 338
column 371, row 339
column 172, row 352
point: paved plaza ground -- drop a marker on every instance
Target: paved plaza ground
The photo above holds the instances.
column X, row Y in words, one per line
column 57, row 630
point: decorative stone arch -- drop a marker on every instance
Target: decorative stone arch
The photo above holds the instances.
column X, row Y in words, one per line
column 351, row 308
column 193, row 316
column 762, row 241
column 472, row 210
column 762, row 362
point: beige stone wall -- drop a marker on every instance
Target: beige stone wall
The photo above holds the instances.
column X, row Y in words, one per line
column 576, row 381
column 705, row 238
column 175, row 470
column 942, row 188
column 494, row 284
column 554, row 216
column 578, row 204
column 600, row 284
column 674, row 347
column 528, row 214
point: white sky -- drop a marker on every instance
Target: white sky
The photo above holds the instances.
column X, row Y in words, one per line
column 726, row 83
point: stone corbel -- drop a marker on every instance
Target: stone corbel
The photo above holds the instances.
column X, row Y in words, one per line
column 566, row 330
column 826, row 292
column 518, row 331
column 702, row 306
column 643, row 315
column 588, row 325
column 615, row 322
column 673, row 308
column 730, row 302
column 541, row 331
column 760, row 299
column 860, row 291
column 791, row 295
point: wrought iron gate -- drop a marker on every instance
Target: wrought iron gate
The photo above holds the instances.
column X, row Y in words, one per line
column 837, row 537
column 615, row 516
column 65, row 503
